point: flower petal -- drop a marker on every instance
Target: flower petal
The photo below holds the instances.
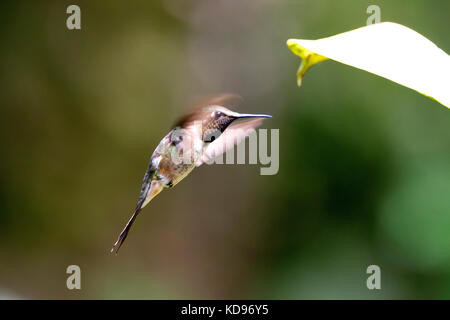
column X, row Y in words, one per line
column 387, row 49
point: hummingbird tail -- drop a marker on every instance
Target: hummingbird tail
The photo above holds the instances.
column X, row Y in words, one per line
column 123, row 235
column 151, row 190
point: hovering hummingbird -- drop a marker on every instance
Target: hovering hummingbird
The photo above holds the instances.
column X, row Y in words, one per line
column 199, row 136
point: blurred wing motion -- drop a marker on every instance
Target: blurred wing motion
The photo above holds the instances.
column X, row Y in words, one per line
column 233, row 135
column 197, row 109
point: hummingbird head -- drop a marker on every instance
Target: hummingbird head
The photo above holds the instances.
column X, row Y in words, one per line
column 217, row 118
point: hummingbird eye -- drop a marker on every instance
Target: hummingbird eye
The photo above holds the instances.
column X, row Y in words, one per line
column 211, row 135
column 216, row 114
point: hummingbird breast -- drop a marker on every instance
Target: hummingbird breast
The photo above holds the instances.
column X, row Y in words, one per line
column 176, row 156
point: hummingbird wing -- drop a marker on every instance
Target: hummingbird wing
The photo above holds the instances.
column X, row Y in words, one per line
column 197, row 108
column 233, row 135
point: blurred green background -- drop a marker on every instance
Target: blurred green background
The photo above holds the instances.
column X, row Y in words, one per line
column 364, row 163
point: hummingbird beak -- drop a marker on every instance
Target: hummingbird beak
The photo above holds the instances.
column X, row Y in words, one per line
column 250, row 115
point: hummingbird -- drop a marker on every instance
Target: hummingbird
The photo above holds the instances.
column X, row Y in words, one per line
column 199, row 136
